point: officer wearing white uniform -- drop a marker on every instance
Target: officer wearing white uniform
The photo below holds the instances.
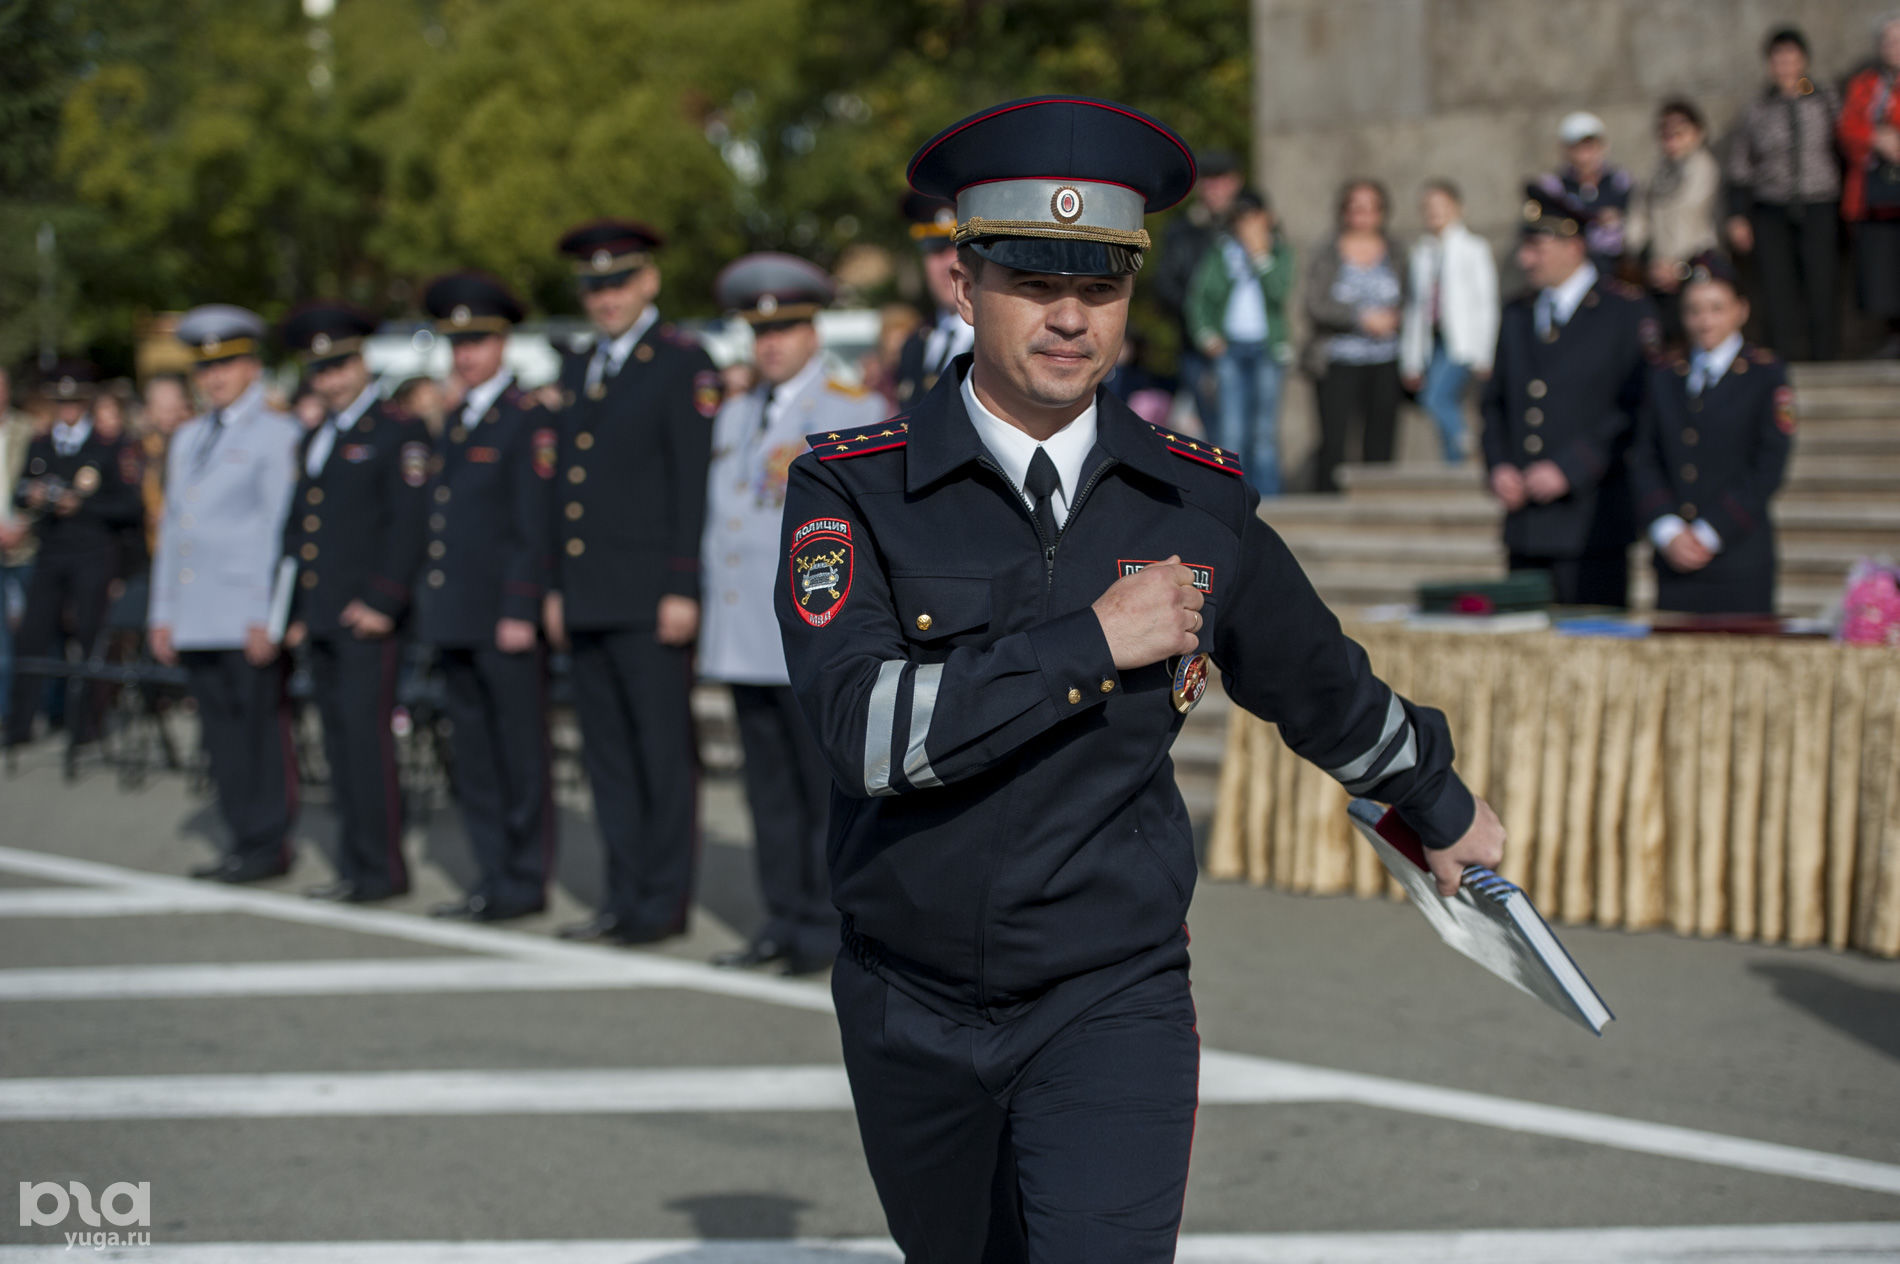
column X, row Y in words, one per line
column 756, row 437
column 229, row 476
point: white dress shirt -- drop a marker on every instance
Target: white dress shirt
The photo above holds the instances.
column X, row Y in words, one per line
column 949, row 338
column 482, row 397
column 1014, row 450
column 1561, row 300
column 69, row 439
column 325, row 440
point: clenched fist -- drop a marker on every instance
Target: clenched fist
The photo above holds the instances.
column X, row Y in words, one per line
column 1151, row 615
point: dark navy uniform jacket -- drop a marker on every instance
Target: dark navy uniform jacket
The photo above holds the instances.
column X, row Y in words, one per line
column 632, row 483
column 107, row 476
column 490, row 523
column 357, row 529
column 1004, row 814
column 1717, row 458
column 1571, row 398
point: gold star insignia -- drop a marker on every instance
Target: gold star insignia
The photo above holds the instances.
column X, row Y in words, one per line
column 1195, row 446
column 832, row 435
column 844, row 447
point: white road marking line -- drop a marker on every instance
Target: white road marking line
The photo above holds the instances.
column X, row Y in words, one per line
column 308, row 978
column 1226, row 1079
column 75, row 902
column 1230, row 1078
column 1736, row 1244
column 643, row 968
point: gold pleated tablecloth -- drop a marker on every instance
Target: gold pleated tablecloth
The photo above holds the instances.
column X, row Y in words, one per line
column 1712, row 785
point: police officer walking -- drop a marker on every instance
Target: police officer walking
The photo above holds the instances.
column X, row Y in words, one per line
column 996, row 610
column 635, row 438
column 355, row 538
column 483, row 581
column 1561, row 405
column 933, row 345
column 230, row 473
column 82, row 496
column 755, row 439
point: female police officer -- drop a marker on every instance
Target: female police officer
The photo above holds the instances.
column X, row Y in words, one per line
column 996, row 610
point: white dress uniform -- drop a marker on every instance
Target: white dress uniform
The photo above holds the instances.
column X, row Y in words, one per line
column 754, row 446
column 230, row 475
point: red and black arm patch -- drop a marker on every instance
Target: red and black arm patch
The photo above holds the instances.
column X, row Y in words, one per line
column 1784, row 409
column 414, row 462
column 835, row 445
column 1198, row 450
column 707, row 393
column 820, row 569
column 547, row 449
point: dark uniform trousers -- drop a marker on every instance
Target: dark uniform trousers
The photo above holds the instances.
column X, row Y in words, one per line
column 497, row 704
column 788, row 788
column 355, row 687
column 1718, row 458
column 1570, row 396
column 1007, row 842
column 632, row 696
column 244, row 716
column 77, row 562
column 1072, row 1124
column 632, row 492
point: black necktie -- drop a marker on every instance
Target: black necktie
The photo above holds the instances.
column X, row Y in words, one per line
column 1041, row 483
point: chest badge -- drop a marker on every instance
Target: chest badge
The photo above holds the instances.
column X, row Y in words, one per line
column 1190, row 682
column 821, row 569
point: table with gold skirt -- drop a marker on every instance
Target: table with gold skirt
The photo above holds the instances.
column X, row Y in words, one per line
column 1712, row 785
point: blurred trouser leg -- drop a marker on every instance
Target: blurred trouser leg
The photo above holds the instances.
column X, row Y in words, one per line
column 1820, row 277
column 517, row 687
column 1249, row 412
column 13, row 582
column 1782, row 294
column 1443, row 395
column 355, row 684
column 1380, row 393
column 788, row 790
column 91, row 580
column 38, row 636
column 1262, row 457
column 244, row 716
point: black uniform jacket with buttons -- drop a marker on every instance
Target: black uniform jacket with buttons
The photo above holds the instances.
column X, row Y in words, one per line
column 106, row 476
column 1004, row 813
column 490, row 523
column 1571, row 398
column 632, row 483
column 1719, row 458
column 357, row 529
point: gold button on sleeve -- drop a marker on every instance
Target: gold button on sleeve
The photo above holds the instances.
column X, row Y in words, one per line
column 1075, row 696
column 1108, row 686
column 923, row 623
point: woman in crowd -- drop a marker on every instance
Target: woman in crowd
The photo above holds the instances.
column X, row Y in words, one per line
column 1674, row 214
column 1451, row 322
column 1869, row 132
column 1785, row 200
column 1357, row 283
column 1236, row 314
column 1710, row 449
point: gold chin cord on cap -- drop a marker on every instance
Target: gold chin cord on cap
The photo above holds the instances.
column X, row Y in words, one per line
column 977, row 226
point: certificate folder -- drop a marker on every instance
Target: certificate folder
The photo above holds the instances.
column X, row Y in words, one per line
column 1490, row 921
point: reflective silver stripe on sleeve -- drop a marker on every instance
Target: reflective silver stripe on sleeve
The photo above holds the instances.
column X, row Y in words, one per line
column 1357, row 768
column 878, row 719
column 1404, row 761
column 923, row 703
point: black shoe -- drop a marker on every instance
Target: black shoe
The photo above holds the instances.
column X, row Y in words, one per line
column 799, row 964
column 757, row 953
column 604, row 926
column 633, row 934
column 479, row 908
column 233, row 869
column 346, row 891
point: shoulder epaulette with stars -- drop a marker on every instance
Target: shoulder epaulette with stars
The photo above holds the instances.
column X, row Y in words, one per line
column 835, row 445
column 1198, row 450
column 846, row 389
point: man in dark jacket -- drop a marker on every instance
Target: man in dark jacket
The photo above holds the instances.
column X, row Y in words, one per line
column 997, row 609
column 1561, row 405
column 353, row 541
column 1191, row 235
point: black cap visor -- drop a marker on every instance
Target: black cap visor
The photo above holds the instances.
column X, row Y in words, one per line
column 613, row 280
column 1059, row 256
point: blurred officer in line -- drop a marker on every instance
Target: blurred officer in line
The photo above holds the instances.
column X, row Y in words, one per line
column 1561, row 404
column 17, row 540
column 755, row 440
column 355, row 537
column 635, row 437
column 483, row 581
column 1711, row 448
column 945, row 336
column 82, row 497
column 228, row 484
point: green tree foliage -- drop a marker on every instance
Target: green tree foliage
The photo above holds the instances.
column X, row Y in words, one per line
column 239, row 150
